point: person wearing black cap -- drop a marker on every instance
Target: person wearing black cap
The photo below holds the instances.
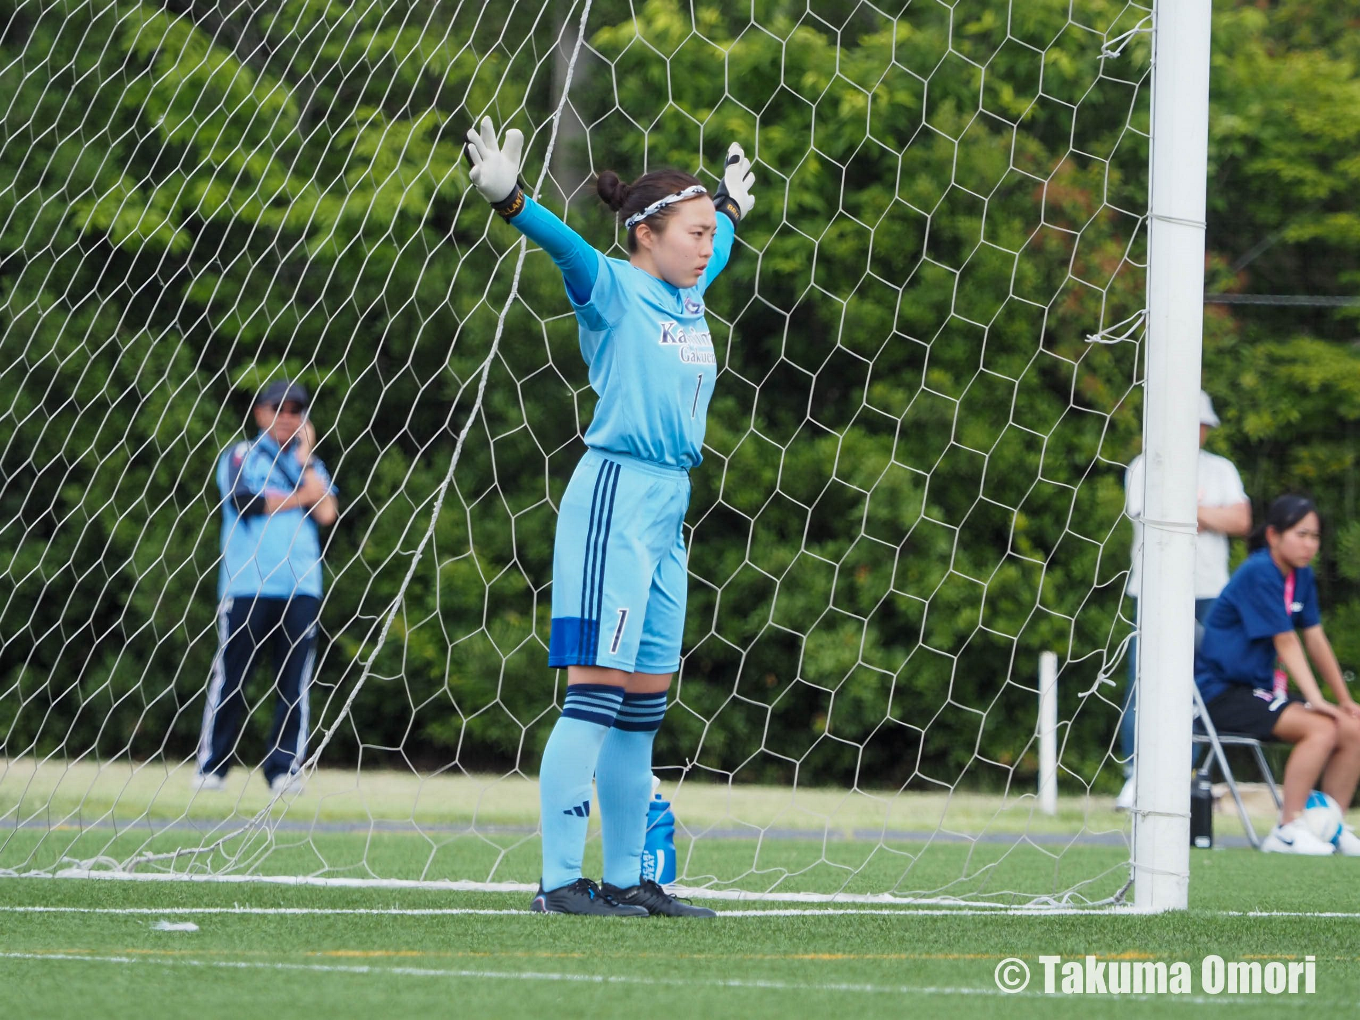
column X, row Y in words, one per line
column 276, row 493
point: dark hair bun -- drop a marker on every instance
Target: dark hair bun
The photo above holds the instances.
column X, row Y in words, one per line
column 612, row 190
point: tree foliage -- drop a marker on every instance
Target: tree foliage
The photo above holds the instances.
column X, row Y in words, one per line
column 913, row 479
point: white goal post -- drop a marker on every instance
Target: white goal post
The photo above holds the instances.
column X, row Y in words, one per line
column 1175, row 329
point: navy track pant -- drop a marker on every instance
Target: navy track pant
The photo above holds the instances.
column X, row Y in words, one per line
column 246, row 626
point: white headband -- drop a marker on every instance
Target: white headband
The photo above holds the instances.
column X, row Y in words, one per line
column 661, row 203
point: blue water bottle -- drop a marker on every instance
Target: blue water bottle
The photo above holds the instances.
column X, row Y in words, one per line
column 658, row 849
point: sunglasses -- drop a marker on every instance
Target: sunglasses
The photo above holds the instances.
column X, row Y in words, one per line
column 290, row 408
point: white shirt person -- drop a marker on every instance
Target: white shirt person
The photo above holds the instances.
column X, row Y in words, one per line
column 1223, row 512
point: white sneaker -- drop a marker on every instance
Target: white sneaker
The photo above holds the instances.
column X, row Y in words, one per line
column 208, row 782
column 1124, row 802
column 1295, row 839
column 289, row 783
column 1348, row 843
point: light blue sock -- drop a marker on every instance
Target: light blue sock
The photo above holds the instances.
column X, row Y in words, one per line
column 623, row 778
column 564, row 777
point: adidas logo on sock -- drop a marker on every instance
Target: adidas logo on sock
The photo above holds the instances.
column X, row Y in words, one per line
column 581, row 810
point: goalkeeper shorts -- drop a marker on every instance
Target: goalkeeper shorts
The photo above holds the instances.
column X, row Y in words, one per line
column 619, row 573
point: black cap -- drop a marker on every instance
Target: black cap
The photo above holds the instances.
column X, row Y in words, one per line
column 280, row 391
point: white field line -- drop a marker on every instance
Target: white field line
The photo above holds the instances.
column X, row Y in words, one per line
column 615, row 979
column 731, row 895
column 772, row 912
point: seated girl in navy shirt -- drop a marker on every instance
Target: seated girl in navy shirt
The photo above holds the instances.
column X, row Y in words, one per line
column 1253, row 626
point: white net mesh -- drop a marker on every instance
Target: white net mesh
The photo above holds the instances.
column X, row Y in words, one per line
column 912, row 474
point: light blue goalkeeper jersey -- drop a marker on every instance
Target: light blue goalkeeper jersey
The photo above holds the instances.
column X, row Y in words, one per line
column 647, row 344
column 271, row 555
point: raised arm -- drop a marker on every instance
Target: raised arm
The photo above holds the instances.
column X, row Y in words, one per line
column 495, row 173
column 579, row 262
column 733, row 200
column 315, row 493
column 723, row 237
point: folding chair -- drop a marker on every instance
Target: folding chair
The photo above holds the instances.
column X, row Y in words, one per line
column 1214, row 742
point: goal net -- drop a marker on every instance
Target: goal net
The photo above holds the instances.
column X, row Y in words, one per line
column 912, row 483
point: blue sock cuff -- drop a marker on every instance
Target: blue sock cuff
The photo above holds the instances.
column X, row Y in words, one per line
column 641, row 713
column 594, row 703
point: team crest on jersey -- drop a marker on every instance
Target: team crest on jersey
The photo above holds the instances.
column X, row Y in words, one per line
column 693, row 307
column 694, row 346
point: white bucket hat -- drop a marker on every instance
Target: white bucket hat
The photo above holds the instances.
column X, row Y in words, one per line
column 1206, row 411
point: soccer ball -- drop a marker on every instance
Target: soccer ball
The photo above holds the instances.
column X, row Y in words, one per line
column 1322, row 816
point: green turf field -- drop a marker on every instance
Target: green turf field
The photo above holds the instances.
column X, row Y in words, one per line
column 94, row 951
column 92, row 948
column 422, row 828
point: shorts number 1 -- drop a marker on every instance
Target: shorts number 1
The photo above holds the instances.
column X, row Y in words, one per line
column 618, row 632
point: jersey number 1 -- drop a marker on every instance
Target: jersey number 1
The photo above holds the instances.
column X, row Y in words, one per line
column 694, row 407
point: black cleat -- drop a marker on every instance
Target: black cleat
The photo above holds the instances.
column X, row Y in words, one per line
column 655, row 900
column 582, row 897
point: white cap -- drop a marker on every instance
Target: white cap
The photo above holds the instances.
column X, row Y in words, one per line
column 1206, row 411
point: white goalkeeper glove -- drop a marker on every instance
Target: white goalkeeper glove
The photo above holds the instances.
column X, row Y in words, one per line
column 495, row 170
column 733, row 196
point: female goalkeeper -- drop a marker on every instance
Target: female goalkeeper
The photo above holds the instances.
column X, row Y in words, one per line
column 1250, row 650
column 619, row 577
